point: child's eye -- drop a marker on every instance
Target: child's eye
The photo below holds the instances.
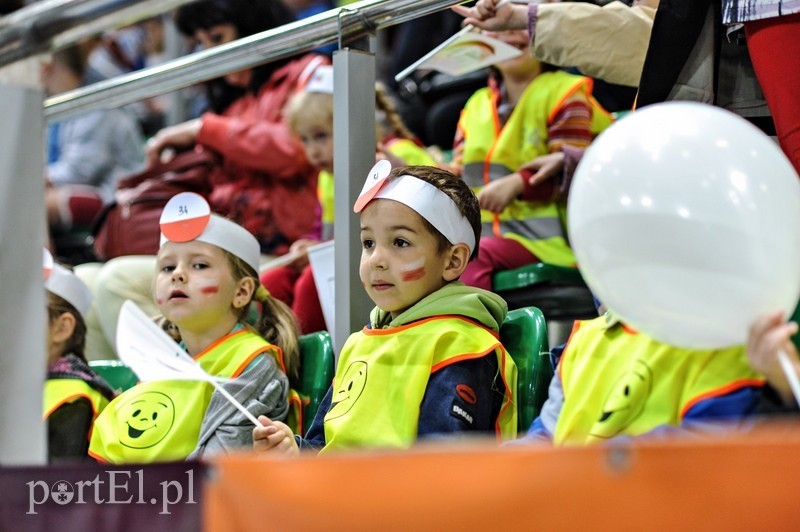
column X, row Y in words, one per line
column 321, row 137
column 199, row 265
column 167, row 268
column 367, row 243
column 401, row 242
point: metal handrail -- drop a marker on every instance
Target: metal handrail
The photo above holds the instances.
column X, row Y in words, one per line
column 52, row 24
column 342, row 24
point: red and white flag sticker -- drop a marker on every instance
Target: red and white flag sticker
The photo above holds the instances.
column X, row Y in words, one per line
column 185, row 217
column 47, row 263
column 375, row 180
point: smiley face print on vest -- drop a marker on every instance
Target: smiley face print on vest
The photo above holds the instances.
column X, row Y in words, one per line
column 348, row 390
column 625, row 401
column 145, row 419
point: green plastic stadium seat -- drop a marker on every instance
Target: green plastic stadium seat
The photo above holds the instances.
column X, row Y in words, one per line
column 116, row 373
column 316, row 372
column 524, row 335
column 558, row 291
column 796, row 318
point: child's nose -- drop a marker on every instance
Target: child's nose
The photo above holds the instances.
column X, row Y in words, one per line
column 179, row 274
column 378, row 258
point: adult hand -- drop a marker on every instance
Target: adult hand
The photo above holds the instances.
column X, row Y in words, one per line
column 178, row 136
column 768, row 335
column 274, row 437
column 495, row 15
column 299, row 249
column 545, row 167
column 496, row 196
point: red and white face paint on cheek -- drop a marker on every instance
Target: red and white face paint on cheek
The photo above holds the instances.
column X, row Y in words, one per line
column 413, row 271
column 208, row 287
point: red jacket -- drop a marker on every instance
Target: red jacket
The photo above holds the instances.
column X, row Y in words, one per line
column 265, row 182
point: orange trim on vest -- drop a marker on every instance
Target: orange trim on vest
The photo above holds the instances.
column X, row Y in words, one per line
column 628, row 329
column 379, row 332
column 723, row 390
column 98, row 458
column 69, row 399
column 587, row 82
column 218, row 341
column 238, row 371
column 510, row 399
column 460, row 358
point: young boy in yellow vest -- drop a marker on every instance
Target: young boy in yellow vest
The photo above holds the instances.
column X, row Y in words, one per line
column 430, row 362
column 74, row 394
column 528, row 110
column 613, row 381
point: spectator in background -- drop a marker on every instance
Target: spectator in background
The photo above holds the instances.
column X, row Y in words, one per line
column 264, row 181
column 529, row 109
column 87, row 153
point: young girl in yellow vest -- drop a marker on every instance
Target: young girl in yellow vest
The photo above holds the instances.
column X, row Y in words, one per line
column 74, row 394
column 206, row 287
column 613, row 381
column 529, row 109
column 429, row 363
column 310, row 115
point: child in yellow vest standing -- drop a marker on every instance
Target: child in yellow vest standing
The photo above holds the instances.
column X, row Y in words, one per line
column 206, row 286
column 74, row 394
column 430, row 362
column 528, row 110
column 310, row 116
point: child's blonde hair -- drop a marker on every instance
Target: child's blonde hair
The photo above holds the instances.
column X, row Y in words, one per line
column 56, row 306
column 275, row 322
column 316, row 108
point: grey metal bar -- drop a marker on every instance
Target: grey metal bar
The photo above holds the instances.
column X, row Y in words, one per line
column 248, row 52
column 53, row 24
column 353, row 156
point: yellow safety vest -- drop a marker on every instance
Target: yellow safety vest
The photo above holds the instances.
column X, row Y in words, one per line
column 617, row 381
column 59, row 392
column 492, row 152
column 159, row 421
column 382, row 375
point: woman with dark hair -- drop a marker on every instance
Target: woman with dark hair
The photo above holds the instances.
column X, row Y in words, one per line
column 263, row 182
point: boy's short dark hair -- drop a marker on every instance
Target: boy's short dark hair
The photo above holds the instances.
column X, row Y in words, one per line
column 457, row 190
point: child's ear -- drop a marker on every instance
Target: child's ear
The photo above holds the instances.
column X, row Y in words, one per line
column 457, row 260
column 63, row 327
column 244, row 292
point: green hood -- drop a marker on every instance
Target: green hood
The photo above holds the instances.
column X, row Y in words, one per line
column 456, row 298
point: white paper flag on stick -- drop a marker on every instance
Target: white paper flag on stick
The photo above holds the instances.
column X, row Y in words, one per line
column 149, row 351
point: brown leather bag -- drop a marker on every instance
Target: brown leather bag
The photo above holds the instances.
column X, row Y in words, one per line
column 129, row 225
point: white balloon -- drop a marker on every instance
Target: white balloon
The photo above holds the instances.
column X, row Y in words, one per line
column 685, row 220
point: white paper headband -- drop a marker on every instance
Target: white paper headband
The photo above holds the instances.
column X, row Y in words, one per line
column 187, row 216
column 65, row 284
column 422, row 197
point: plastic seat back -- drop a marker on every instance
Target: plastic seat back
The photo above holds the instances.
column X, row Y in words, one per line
column 316, row 372
column 119, row 376
column 524, row 335
column 558, row 291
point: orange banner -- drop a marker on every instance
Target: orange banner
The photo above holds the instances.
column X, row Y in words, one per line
column 746, row 482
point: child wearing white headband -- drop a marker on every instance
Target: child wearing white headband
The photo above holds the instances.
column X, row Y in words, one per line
column 430, row 362
column 206, row 281
column 73, row 394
